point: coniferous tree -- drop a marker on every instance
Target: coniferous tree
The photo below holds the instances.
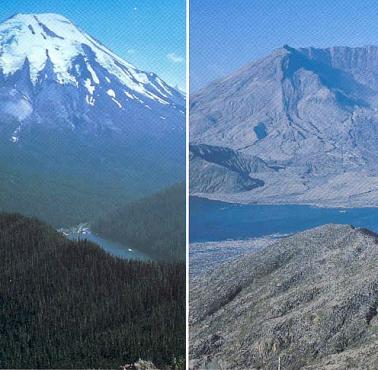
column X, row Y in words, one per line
column 66, row 304
column 154, row 225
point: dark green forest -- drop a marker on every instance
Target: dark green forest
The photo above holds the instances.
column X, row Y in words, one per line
column 154, row 225
column 66, row 304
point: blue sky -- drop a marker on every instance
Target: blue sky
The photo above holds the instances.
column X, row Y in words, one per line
column 226, row 35
column 148, row 33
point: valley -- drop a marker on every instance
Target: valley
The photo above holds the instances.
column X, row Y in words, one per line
column 218, row 221
column 221, row 232
column 134, row 301
column 154, row 225
column 151, row 228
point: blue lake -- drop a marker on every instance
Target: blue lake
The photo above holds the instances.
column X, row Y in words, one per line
column 215, row 221
column 113, row 248
column 116, row 249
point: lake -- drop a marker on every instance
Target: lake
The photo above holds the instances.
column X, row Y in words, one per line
column 217, row 221
column 82, row 232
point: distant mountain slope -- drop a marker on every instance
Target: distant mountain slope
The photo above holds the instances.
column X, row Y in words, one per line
column 312, row 112
column 154, row 225
column 71, row 110
column 69, row 304
column 309, row 301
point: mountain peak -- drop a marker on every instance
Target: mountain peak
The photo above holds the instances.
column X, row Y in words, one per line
column 71, row 105
column 25, row 17
column 73, row 57
column 287, row 47
column 314, row 111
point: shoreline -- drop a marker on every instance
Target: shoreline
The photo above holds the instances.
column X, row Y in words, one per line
column 206, row 256
column 228, row 199
column 82, row 231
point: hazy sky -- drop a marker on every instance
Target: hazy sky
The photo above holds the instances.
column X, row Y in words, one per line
column 148, row 33
column 225, row 35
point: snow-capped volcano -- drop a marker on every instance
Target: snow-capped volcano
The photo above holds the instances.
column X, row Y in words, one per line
column 40, row 49
column 66, row 98
column 42, row 39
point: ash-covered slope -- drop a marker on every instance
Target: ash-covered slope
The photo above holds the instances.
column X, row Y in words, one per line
column 217, row 169
column 312, row 112
column 309, row 301
column 71, row 110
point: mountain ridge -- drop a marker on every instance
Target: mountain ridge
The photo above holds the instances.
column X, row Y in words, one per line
column 307, row 301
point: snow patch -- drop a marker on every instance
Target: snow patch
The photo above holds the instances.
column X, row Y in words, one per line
column 139, row 100
column 111, row 93
column 89, row 86
column 95, row 79
column 117, row 102
column 130, row 96
column 90, row 99
column 16, row 135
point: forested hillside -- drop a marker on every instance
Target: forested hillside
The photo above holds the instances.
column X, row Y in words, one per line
column 154, row 225
column 67, row 304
